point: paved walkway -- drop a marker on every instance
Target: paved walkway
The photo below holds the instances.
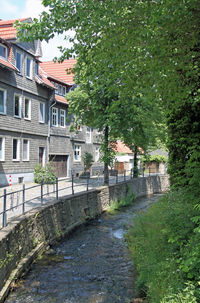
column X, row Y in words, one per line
column 14, row 197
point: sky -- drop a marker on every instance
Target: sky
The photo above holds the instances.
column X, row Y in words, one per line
column 14, row 9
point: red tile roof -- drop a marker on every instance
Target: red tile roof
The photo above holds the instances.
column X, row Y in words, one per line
column 7, row 31
column 120, row 147
column 42, row 79
column 58, row 71
column 61, row 99
column 7, row 64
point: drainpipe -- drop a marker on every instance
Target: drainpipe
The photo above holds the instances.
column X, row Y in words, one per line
column 49, row 129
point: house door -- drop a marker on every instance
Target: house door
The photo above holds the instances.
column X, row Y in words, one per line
column 59, row 164
column 119, row 166
column 42, row 156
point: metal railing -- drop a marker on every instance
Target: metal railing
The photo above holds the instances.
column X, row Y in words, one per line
column 18, row 202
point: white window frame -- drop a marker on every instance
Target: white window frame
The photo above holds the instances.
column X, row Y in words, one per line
column 62, row 115
column 31, row 67
column 29, row 109
column 54, row 116
column 88, row 135
column 6, row 57
column 17, row 151
column 42, row 117
column 20, row 106
column 28, row 150
column 4, row 100
column 97, row 153
column 21, row 61
column 77, row 148
column 3, row 149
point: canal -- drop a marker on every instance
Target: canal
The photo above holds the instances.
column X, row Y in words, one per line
column 93, row 265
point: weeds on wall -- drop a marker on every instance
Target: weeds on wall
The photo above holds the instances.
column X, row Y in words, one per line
column 124, row 202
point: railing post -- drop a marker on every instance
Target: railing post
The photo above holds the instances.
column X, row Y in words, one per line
column 149, row 171
column 4, row 209
column 131, row 173
column 56, row 188
column 41, row 192
column 124, row 175
column 117, row 177
column 143, row 171
column 87, row 182
column 23, row 200
column 72, row 184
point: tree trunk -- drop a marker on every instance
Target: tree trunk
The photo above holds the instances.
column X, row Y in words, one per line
column 135, row 161
column 106, row 156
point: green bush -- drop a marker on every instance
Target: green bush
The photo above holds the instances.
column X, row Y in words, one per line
column 44, row 174
column 87, row 159
column 124, row 202
column 154, row 158
column 166, row 249
column 186, row 296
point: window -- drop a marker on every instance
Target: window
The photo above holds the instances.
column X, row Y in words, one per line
column 27, row 114
column 37, row 68
column 54, row 116
column 2, row 149
column 16, row 146
column 3, row 101
column 17, row 106
column 42, row 112
column 25, row 150
column 28, row 67
column 79, row 128
column 77, row 153
column 63, row 90
column 59, row 89
column 18, row 59
column 3, row 51
column 97, row 154
column 88, row 135
column 56, row 86
column 42, row 156
column 62, row 118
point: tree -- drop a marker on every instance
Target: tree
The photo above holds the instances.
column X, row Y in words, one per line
column 111, row 61
column 91, row 106
column 87, row 161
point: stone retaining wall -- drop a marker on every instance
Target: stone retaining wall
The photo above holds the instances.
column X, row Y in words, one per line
column 28, row 235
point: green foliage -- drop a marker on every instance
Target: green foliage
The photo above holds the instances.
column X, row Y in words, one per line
column 44, row 174
column 166, row 248
column 186, row 296
column 87, row 159
column 102, row 99
column 124, row 202
column 154, row 158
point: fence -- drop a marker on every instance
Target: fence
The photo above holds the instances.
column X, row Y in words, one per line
column 18, row 202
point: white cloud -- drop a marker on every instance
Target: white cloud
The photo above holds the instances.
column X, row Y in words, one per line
column 8, row 8
column 33, row 8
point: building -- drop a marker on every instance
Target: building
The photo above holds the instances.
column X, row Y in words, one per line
column 66, row 148
column 33, row 113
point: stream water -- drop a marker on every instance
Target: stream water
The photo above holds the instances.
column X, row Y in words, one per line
column 93, row 265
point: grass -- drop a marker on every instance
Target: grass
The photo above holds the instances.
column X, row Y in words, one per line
column 124, row 202
column 165, row 250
